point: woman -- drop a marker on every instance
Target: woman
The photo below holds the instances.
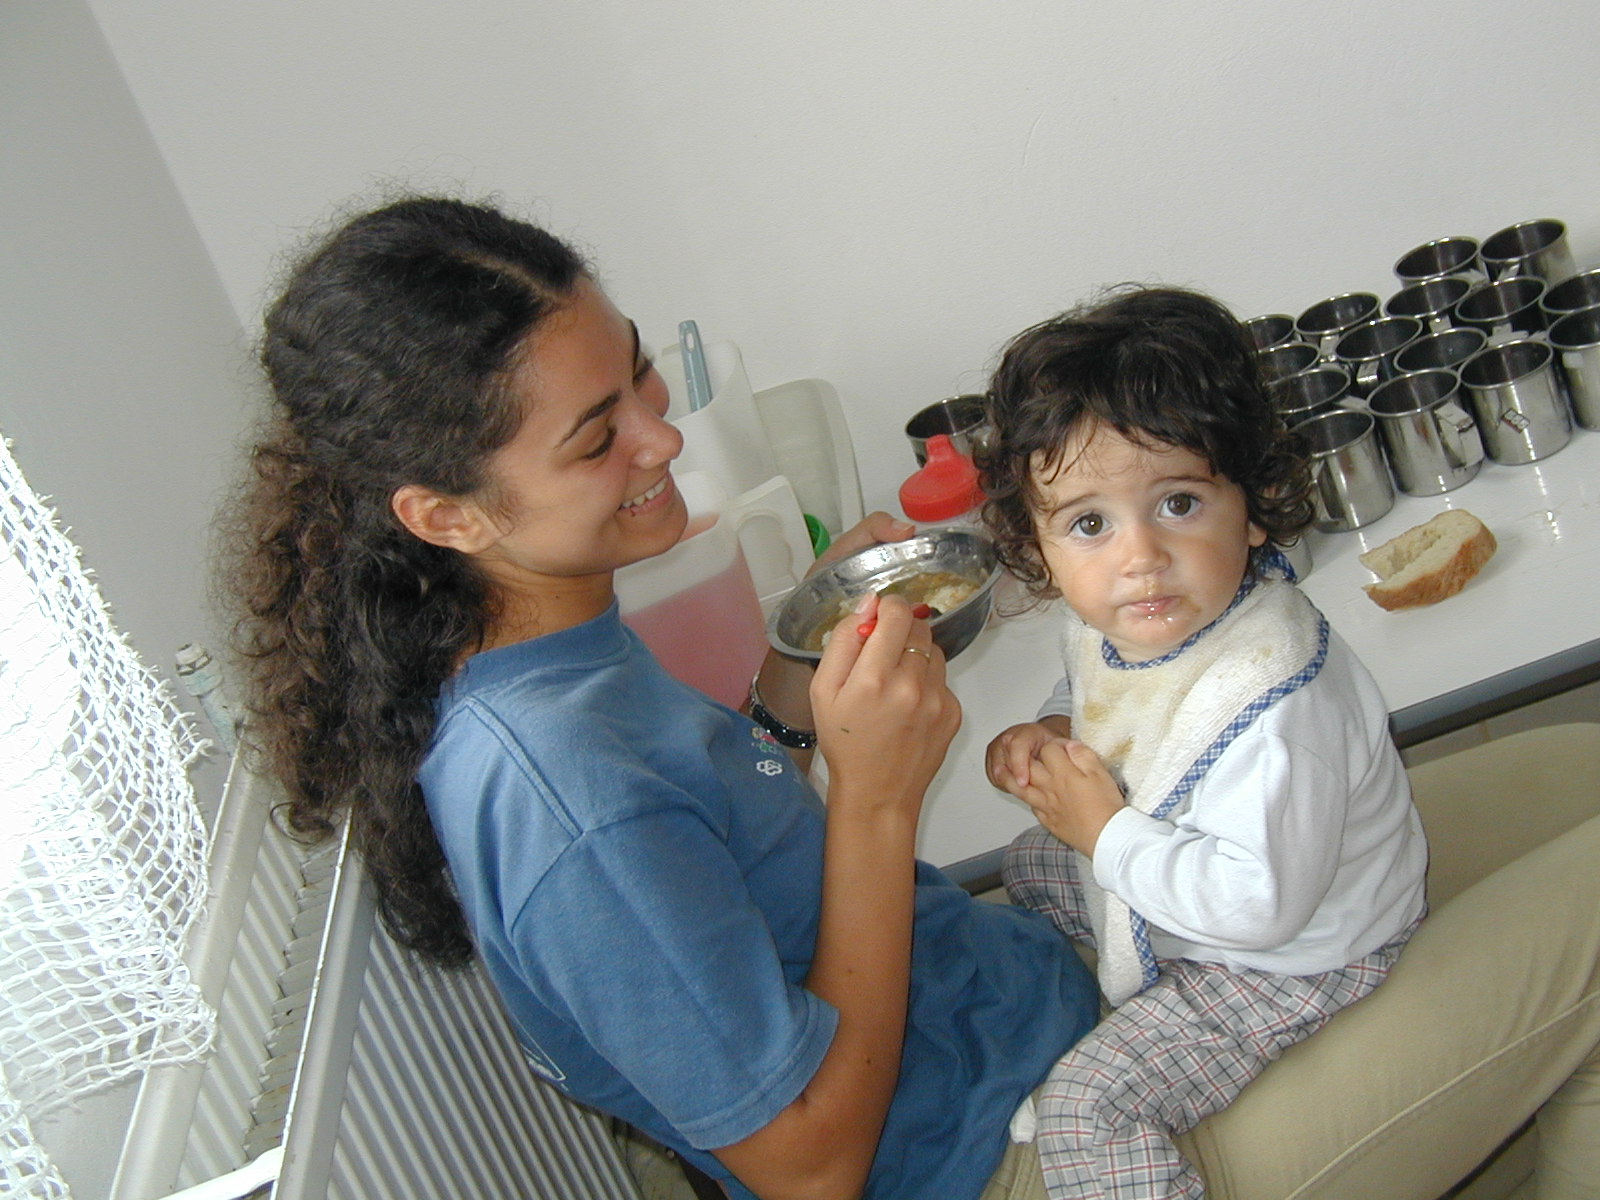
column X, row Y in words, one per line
column 467, row 441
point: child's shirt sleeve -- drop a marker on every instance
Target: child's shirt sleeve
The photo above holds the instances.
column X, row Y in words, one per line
column 1059, row 702
column 1247, row 863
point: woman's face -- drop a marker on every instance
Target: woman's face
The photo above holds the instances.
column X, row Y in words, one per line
column 584, row 486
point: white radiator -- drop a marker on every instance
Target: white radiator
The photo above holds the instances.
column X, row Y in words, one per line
column 378, row 1076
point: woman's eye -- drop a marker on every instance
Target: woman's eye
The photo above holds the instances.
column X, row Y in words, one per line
column 605, row 444
column 646, row 365
column 1089, row 525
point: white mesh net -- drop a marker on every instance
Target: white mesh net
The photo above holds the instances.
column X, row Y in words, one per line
column 102, row 850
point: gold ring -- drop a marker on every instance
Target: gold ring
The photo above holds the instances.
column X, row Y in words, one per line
column 917, row 650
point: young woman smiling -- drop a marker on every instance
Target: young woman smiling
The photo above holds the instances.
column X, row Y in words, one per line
column 466, row 441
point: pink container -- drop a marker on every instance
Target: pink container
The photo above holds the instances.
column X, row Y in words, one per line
column 697, row 606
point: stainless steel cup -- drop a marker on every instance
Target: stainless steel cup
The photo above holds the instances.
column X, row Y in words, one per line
column 1572, row 294
column 1447, row 349
column 1285, row 359
column 1576, row 340
column 1304, row 394
column 1299, row 556
column 1432, row 442
column 1429, row 301
column 1438, row 258
column 1518, row 400
column 1368, row 350
column 961, row 417
column 1529, row 248
column 1326, row 321
column 1272, row 329
column 1351, row 483
column 1505, row 309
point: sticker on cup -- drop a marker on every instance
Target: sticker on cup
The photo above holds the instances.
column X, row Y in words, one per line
column 1518, row 400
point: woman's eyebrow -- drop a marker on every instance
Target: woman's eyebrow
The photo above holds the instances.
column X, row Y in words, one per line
column 597, row 410
column 606, row 404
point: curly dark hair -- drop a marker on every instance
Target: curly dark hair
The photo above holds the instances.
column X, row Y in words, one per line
column 389, row 355
column 1165, row 366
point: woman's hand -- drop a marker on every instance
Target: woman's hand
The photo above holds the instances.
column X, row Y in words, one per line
column 884, row 714
column 786, row 682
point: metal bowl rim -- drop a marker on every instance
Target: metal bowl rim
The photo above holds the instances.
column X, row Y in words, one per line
column 831, row 573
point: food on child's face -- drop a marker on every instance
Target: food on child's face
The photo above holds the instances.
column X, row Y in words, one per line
column 937, row 592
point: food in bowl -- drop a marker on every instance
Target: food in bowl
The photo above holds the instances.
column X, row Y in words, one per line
column 938, row 592
column 951, row 570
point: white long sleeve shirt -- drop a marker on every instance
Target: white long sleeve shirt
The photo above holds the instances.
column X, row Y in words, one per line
column 1300, row 850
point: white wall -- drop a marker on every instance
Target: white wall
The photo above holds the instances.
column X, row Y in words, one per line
column 122, row 377
column 875, row 193
column 880, row 193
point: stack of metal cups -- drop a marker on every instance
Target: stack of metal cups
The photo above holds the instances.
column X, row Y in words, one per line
column 1487, row 349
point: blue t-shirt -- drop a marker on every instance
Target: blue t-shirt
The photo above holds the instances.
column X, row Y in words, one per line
column 641, row 868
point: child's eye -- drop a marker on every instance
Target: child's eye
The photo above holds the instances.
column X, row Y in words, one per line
column 1089, row 525
column 646, row 365
column 1181, row 504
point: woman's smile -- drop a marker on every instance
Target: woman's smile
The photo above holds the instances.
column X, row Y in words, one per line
column 655, row 492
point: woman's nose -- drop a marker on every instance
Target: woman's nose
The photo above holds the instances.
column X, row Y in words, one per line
column 656, row 439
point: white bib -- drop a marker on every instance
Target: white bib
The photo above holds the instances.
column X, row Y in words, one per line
column 1159, row 725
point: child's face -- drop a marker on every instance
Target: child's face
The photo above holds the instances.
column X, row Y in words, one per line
column 1146, row 545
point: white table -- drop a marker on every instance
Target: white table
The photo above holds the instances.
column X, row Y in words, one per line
column 1527, row 626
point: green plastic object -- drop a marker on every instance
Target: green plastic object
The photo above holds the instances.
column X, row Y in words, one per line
column 820, row 540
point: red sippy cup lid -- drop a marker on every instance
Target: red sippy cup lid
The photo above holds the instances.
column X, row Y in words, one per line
column 945, row 487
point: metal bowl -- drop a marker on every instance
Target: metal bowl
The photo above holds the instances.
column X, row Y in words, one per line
column 822, row 599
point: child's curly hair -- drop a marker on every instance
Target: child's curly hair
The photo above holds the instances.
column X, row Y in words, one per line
column 1158, row 365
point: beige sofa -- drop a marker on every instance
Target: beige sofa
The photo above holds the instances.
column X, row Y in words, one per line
column 1530, row 799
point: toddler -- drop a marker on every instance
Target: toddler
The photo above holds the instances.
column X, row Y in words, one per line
column 1223, row 816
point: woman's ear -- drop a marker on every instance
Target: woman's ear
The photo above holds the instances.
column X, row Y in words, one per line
column 449, row 521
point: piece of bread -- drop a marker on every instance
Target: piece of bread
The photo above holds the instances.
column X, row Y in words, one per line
column 1429, row 562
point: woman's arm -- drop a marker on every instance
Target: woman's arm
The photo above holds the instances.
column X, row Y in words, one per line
column 884, row 721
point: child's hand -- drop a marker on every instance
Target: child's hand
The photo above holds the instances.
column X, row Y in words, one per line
column 1072, row 793
column 1009, row 758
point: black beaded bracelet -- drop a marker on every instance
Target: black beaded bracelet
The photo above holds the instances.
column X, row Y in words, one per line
column 786, row 735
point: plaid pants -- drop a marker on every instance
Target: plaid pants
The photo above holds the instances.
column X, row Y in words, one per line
column 1169, row 1056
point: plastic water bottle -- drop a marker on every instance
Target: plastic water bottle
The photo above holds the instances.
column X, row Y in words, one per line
column 202, row 678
